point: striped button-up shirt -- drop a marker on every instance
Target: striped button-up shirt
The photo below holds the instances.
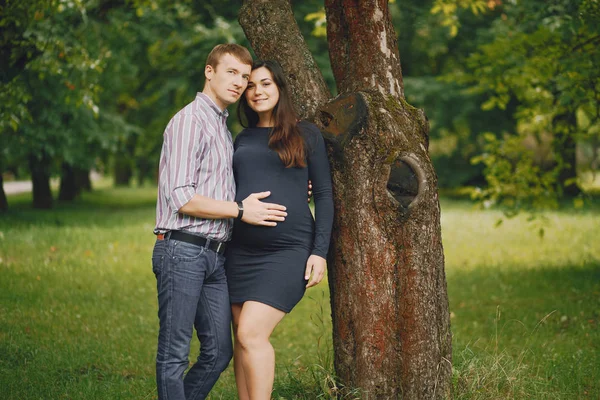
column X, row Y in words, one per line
column 196, row 158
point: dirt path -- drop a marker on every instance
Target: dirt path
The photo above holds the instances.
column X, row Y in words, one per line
column 26, row 186
column 17, row 187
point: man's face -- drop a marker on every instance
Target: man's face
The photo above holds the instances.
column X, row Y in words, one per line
column 227, row 81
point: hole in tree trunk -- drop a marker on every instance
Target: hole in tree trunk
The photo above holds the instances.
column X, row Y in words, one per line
column 403, row 183
column 325, row 118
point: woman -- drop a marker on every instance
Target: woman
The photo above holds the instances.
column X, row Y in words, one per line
column 268, row 267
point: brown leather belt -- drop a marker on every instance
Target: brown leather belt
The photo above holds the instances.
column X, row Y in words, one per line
column 214, row 245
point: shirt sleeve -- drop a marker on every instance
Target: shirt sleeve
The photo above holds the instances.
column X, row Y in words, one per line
column 187, row 141
column 319, row 174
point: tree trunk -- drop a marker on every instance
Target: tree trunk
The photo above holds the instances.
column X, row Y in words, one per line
column 388, row 289
column 72, row 181
column 123, row 170
column 82, row 177
column 68, row 187
column 40, row 177
column 3, row 199
column 391, row 325
column 362, row 47
column 144, row 170
column 124, row 162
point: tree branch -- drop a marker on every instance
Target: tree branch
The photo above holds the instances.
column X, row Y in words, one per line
column 589, row 41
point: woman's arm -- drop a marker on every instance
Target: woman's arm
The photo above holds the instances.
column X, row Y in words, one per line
column 319, row 174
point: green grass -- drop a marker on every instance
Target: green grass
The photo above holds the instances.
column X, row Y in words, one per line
column 78, row 305
column 525, row 309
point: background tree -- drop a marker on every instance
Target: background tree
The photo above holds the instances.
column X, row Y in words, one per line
column 430, row 49
column 114, row 72
column 386, row 268
column 92, row 83
column 162, row 46
column 52, row 68
column 541, row 56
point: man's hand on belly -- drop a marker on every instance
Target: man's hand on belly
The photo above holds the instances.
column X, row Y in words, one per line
column 257, row 212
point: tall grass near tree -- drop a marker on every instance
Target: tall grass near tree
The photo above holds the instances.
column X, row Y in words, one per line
column 78, row 306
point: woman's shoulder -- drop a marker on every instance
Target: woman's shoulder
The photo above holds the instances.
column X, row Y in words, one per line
column 308, row 128
column 240, row 136
column 311, row 133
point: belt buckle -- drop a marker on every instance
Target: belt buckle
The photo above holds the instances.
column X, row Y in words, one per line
column 219, row 247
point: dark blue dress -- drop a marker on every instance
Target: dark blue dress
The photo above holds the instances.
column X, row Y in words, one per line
column 267, row 264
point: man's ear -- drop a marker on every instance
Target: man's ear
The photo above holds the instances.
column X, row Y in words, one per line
column 209, row 72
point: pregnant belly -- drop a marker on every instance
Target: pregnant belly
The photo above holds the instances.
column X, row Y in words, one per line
column 296, row 230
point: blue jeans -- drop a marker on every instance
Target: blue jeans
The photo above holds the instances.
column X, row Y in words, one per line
column 192, row 291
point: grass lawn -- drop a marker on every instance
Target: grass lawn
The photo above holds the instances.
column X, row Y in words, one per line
column 78, row 305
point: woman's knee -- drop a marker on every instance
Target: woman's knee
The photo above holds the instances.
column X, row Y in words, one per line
column 236, row 310
column 249, row 337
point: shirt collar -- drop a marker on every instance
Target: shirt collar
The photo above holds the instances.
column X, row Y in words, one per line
column 209, row 102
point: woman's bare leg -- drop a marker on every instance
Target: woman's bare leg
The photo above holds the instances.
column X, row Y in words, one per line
column 255, row 323
column 240, row 379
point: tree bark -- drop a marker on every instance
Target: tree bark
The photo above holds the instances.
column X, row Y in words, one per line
column 39, row 167
column 3, row 199
column 362, row 47
column 391, row 324
column 398, row 345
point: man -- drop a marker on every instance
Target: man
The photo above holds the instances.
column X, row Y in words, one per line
column 194, row 217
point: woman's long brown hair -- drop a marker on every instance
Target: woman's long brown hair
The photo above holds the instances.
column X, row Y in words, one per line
column 285, row 137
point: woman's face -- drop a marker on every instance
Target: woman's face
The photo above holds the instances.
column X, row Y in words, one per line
column 262, row 92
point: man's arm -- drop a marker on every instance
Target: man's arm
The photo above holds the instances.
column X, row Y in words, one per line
column 255, row 211
column 205, row 207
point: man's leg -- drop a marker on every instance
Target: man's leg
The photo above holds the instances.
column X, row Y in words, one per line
column 180, row 270
column 213, row 326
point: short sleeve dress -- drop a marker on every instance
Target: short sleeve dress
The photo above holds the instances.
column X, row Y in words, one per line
column 267, row 264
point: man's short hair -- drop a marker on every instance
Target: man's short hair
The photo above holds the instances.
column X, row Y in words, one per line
column 239, row 52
